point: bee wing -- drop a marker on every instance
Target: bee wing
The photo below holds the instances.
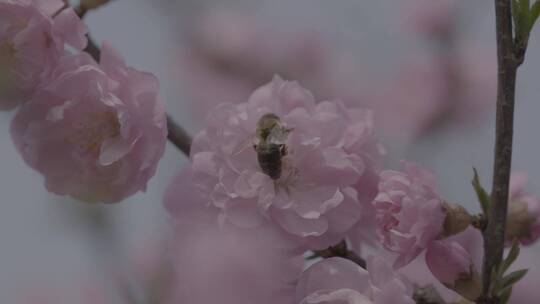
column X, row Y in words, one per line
column 278, row 135
column 250, row 141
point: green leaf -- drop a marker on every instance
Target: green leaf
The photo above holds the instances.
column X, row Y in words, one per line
column 495, row 282
column 513, row 278
column 505, row 295
column 521, row 15
column 481, row 194
column 533, row 16
column 510, row 258
column 525, row 6
column 516, row 9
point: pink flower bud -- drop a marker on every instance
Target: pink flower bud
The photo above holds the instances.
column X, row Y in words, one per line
column 523, row 212
column 452, row 265
column 456, row 220
column 409, row 212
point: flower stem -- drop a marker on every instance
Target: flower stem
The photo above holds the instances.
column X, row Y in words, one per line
column 508, row 61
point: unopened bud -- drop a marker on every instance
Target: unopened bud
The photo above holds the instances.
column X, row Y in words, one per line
column 522, row 221
column 452, row 265
column 456, row 220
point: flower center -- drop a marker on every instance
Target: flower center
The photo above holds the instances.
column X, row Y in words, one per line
column 90, row 132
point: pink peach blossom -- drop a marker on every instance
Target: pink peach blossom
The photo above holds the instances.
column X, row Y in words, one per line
column 31, row 44
column 94, row 132
column 338, row 281
column 218, row 262
column 83, row 292
column 523, row 212
column 452, row 265
column 421, row 276
column 409, row 212
column 433, row 18
column 330, row 147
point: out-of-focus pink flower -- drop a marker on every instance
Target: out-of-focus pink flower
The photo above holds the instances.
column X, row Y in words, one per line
column 452, row 265
column 44, row 293
column 95, row 133
column 329, row 149
column 523, row 212
column 230, row 53
column 340, row 281
column 433, row 18
column 430, row 92
column 221, row 263
column 409, row 212
column 31, row 43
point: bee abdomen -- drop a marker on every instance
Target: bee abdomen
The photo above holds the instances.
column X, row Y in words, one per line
column 269, row 158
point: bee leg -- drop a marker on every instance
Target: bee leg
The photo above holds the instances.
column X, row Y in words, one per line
column 283, row 150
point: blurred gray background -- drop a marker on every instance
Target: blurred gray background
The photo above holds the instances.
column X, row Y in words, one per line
column 44, row 239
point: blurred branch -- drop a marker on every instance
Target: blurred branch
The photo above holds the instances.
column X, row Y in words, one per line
column 509, row 59
column 92, row 48
column 179, row 137
column 87, row 5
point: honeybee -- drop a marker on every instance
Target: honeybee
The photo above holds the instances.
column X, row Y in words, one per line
column 270, row 145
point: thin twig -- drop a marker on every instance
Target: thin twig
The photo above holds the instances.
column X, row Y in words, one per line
column 82, row 8
column 92, row 48
column 507, row 71
column 178, row 136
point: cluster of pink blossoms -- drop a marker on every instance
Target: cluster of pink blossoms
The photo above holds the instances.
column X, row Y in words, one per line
column 257, row 193
column 329, row 189
column 94, row 131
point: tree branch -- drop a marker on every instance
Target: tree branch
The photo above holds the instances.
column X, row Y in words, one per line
column 178, row 136
column 507, row 71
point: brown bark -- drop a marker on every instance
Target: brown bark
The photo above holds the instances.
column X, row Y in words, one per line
column 507, row 71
